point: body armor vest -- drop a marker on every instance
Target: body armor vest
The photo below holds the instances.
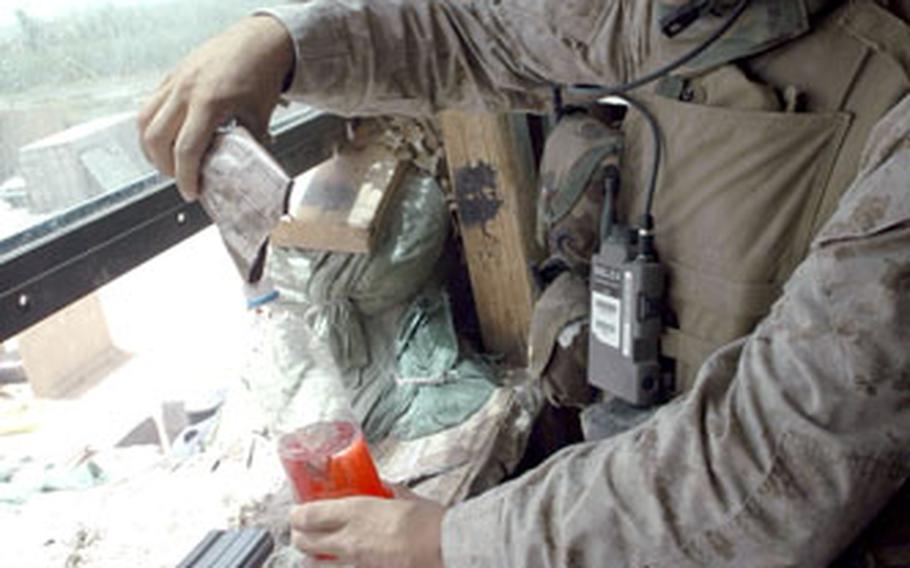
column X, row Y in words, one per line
column 758, row 152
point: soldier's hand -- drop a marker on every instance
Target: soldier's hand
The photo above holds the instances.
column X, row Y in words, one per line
column 368, row 532
column 238, row 75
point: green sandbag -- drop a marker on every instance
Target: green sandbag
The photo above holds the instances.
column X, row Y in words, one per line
column 437, row 407
column 340, row 288
column 445, row 389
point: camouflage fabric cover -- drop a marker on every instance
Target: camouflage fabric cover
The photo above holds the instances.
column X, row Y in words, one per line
column 571, row 202
column 561, row 368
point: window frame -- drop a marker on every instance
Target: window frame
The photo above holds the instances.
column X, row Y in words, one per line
column 46, row 269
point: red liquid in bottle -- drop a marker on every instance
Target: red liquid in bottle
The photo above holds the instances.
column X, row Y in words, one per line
column 327, row 460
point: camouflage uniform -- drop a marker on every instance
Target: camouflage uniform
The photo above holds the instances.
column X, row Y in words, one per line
column 792, row 438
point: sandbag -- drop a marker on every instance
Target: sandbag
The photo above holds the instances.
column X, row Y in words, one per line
column 339, row 288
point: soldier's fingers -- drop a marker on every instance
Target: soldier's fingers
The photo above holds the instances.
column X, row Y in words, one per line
column 191, row 145
column 328, row 543
column 319, row 516
column 402, row 491
column 158, row 137
column 151, row 105
column 166, row 81
column 319, row 527
column 149, row 110
column 257, row 125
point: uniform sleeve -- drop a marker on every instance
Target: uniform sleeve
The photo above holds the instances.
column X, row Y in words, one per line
column 415, row 57
column 792, row 440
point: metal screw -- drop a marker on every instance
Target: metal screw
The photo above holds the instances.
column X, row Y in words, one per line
column 23, row 302
column 181, row 218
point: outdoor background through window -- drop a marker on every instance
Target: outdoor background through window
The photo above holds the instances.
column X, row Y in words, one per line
column 94, row 395
column 72, row 74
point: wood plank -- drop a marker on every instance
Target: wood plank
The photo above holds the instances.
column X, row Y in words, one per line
column 69, row 351
column 494, row 183
column 340, row 204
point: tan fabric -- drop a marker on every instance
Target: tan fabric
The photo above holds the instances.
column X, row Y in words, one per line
column 788, row 445
column 732, row 196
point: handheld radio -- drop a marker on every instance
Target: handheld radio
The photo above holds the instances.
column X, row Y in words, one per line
column 628, row 290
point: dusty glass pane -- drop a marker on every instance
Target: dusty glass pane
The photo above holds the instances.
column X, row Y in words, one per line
column 72, row 74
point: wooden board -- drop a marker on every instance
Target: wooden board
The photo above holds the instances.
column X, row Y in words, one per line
column 69, row 351
column 339, row 205
column 494, row 182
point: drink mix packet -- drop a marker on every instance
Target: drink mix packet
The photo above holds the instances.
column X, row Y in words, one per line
column 244, row 191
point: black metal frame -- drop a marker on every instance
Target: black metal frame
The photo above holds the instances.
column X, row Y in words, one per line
column 47, row 267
